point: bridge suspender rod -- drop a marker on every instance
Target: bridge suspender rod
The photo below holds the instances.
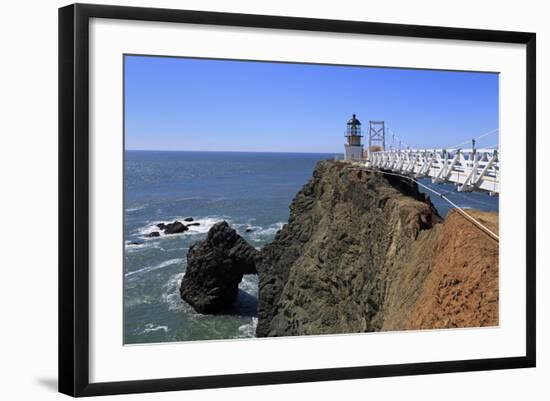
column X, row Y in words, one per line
column 460, row 210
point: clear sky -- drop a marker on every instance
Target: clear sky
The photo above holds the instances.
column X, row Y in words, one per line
column 215, row 105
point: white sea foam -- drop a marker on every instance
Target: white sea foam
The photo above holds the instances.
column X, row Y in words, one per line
column 150, row 327
column 267, row 232
column 205, row 223
column 221, row 199
column 186, row 198
column 171, row 294
column 249, row 284
column 138, row 300
column 241, row 228
column 272, row 229
column 248, row 330
column 129, row 245
column 135, row 209
column 162, row 265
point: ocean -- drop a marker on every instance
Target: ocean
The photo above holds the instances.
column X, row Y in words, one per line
column 251, row 191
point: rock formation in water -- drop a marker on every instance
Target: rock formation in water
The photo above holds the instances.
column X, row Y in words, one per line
column 175, row 228
column 364, row 251
column 361, row 252
column 215, row 268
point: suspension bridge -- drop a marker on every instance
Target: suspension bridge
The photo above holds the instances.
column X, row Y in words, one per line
column 469, row 169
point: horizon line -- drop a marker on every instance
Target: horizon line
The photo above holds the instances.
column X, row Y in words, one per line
column 228, row 151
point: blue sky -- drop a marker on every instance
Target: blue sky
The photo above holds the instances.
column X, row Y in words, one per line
column 216, row 105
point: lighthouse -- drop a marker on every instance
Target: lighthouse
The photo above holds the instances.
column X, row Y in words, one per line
column 353, row 147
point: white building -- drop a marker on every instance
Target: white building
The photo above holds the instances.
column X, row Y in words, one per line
column 353, row 147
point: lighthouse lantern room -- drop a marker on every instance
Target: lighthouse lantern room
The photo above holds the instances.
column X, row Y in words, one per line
column 353, row 147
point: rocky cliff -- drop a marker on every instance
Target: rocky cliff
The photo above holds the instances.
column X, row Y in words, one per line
column 364, row 251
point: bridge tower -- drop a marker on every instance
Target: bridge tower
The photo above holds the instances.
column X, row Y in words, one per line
column 377, row 137
column 353, row 147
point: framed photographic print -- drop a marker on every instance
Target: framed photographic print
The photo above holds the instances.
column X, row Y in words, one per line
column 250, row 199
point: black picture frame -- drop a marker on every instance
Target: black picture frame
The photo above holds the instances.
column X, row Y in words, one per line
column 74, row 200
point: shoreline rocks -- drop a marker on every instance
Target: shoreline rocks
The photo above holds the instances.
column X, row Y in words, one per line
column 176, row 227
column 361, row 252
column 215, row 267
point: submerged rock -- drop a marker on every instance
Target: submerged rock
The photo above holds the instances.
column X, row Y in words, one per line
column 187, row 219
column 153, row 234
column 215, row 267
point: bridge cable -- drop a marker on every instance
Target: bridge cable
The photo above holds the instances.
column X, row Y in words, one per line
column 458, row 208
column 402, row 142
column 477, row 138
column 493, row 131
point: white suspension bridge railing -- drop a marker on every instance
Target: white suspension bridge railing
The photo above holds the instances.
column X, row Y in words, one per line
column 469, row 169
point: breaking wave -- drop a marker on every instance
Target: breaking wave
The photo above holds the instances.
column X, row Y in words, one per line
column 162, row 265
column 150, row 327
column 205, row 223
column 248, row 330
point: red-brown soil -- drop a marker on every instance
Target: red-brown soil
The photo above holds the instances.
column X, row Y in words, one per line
column 461, row 289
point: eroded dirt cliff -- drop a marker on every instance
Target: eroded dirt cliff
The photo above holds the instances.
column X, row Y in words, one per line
column 461, row 289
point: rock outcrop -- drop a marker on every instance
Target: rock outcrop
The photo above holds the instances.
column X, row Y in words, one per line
column 364, row 251
column 215, row 267
column 175, row 228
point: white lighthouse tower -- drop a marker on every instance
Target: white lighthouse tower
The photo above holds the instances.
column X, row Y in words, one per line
column 354, row 147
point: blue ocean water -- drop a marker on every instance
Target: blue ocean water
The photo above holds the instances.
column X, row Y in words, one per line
column 252, row 191
column 249, row 190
